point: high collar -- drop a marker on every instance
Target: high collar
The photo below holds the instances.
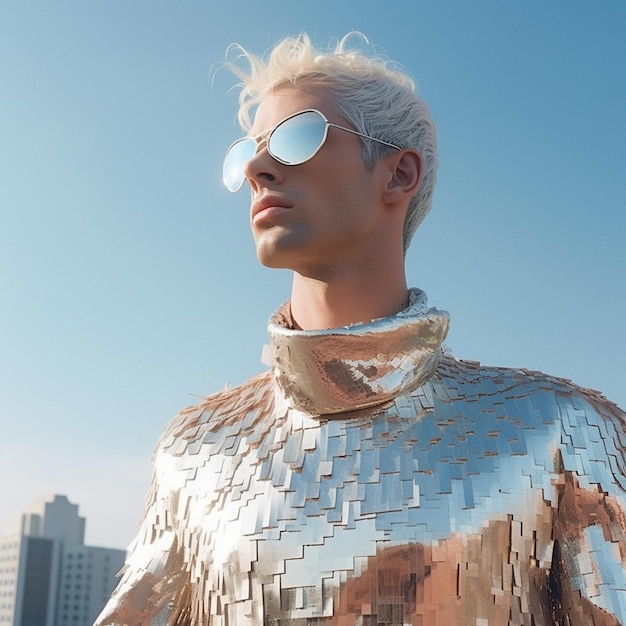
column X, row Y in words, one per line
column 342, row 369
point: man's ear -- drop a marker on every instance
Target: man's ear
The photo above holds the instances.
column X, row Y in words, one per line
column 404, row 175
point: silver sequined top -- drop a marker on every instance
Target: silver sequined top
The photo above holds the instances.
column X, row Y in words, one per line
column 369, row 479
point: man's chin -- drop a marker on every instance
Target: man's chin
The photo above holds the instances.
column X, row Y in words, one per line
column 273, row 264
column 272, row 260
column 277, row 254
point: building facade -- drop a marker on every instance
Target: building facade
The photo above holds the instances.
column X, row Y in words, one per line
column 48, row 576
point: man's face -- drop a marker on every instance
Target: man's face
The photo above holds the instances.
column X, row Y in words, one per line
column 316, row 217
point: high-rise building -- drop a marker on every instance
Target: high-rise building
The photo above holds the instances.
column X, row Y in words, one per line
column 48, row 576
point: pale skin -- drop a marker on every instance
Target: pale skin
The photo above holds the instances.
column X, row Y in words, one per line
column 337, row 225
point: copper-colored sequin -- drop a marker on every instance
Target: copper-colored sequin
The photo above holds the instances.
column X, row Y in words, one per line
column 369, row 479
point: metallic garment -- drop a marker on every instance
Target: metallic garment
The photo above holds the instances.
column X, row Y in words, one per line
column 357, row 366
column 447, row 494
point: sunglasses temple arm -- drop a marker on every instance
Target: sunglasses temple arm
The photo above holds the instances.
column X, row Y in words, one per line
column 355, row 132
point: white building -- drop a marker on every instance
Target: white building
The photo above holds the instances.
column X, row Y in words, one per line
column 48, row 576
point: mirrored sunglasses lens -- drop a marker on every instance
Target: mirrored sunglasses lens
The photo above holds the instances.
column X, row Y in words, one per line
column 296, row 140
column 234, row 162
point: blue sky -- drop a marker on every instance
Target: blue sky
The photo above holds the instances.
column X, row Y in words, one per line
column 128, row 280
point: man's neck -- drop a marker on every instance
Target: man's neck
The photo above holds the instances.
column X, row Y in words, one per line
column 317, row 305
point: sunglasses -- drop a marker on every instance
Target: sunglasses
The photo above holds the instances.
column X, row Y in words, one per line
column 295, row 140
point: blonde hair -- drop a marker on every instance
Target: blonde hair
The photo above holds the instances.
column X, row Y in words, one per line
column 375, row 96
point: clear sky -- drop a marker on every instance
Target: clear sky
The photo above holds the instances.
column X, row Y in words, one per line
column 128, row 280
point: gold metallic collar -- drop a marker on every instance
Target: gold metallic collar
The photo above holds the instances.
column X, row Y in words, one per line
column 342, row 369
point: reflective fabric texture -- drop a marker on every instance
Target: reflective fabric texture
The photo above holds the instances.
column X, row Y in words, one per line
column 482, row 496
column 343, row 369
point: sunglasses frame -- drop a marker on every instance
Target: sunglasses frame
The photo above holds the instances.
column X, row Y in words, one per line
column 268, row 135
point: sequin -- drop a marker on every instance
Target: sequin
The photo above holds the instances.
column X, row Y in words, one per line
column 445, row 493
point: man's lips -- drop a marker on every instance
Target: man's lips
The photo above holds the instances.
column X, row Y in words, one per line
column 268, row 206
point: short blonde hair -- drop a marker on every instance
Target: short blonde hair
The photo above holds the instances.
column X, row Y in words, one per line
column 376, row 97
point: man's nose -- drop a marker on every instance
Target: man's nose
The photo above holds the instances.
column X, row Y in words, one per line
column 261, row 169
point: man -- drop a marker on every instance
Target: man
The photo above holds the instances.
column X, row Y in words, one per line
column 369, row 477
